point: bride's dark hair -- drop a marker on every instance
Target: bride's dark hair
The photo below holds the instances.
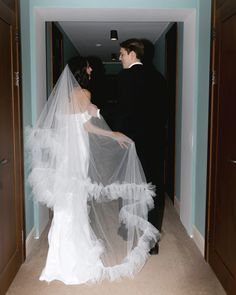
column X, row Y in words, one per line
column 78, row 66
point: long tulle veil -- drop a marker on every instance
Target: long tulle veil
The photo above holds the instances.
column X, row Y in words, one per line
column 103, row 183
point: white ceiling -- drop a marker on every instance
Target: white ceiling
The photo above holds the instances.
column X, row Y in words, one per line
column 86, row 35
column 88, row 26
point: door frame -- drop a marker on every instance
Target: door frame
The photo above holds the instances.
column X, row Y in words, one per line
column 189, row 18
column 212, row 138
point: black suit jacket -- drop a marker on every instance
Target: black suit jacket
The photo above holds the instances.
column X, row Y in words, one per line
column 131, row 87
column 142, row 102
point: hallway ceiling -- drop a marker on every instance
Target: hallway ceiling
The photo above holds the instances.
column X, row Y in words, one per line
column 87, row 27
column 93, row 38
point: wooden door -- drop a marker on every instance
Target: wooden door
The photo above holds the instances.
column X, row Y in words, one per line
column 171, row 62
column 221, row 251
column 11, row 207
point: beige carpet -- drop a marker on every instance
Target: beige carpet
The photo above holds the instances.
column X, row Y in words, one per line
column 179, row 269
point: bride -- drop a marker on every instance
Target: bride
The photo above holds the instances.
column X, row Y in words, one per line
column 92, row 179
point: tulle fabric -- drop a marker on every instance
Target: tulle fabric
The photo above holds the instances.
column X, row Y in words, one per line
column 96, row 188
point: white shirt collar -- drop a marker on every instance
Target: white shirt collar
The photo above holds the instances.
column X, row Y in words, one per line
column 135, row 63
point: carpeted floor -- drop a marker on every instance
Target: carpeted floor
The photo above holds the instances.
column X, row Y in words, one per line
column 179, row 269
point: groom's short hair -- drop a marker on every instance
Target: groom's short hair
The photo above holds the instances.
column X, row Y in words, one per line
column 135, row 45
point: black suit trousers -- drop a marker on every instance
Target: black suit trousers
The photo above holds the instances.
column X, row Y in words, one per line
column 151, row 155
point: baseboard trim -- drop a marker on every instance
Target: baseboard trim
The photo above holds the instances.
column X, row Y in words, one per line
column 199, row 240
column 30, row 241
column 177, row 205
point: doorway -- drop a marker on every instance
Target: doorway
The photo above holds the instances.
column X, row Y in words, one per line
column 189, row 21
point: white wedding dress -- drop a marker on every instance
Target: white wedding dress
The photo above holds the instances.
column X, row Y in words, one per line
column 97, row 191
column 74, row 252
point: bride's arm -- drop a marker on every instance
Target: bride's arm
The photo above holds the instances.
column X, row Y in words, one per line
column 92, row 110
column 118, row 136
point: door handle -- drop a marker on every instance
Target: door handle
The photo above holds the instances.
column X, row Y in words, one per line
column 3, row 161
column 232, row 161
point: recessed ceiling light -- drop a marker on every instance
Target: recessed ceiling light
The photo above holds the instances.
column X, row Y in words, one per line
column 113, row 35
column 113, row 57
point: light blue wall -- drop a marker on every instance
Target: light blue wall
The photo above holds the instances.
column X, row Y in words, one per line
column 159, row 57
column 201, row 82
column 160, row 51
column 48, row 58
column 112, row 68
column 69, row 49
column 115, row 4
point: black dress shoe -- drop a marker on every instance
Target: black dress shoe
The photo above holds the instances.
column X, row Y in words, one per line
column 154, row 250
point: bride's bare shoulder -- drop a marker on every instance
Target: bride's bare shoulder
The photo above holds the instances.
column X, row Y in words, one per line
column 82, row 93
column 82, row 98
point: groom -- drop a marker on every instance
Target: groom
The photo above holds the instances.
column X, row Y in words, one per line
column 140, row 87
